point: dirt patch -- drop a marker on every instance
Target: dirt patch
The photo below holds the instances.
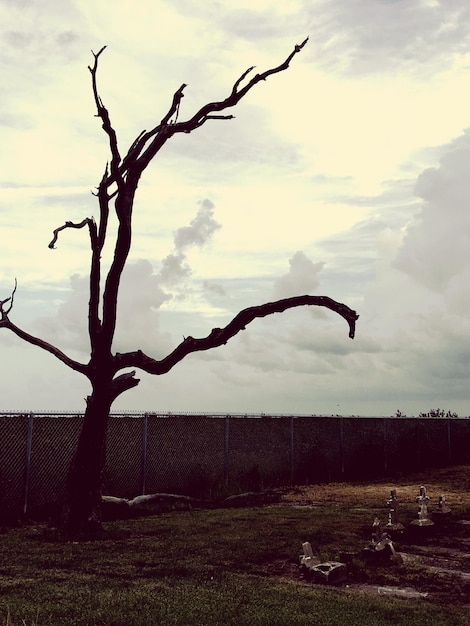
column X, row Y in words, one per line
column 436, row 560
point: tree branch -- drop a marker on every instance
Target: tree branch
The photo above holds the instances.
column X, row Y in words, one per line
column 122, row 383
column 103, row 201
column 142, row 152
column 123, row 206
column 236, row 94
column 87, row 221
column 94, row 322
column 103, row 113
column 220, row 336
column 241, row 79
column 35, row 341
column 3, row 312
column 175, row 105
column 127, row 173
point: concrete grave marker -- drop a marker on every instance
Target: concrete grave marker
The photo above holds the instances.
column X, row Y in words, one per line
column 423, row 517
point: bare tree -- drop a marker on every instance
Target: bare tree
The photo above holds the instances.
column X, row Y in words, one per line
column 109, row 372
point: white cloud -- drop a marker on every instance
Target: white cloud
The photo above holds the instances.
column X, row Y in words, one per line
column 138, row 325
column 302, row 277
column 436, row 243
column 200, row 230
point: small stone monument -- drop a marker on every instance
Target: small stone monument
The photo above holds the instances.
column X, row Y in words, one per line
column 307, row 559
column 380, row 549
column 329, row 573
column 442, row 511
column 423, row 518
column 393, row 526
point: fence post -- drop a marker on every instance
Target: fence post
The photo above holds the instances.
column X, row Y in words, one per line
column 27, row 473
column 292, row 460
column 341, row 444
column 143, row 466
column 385, row 445
column 226, row 449
column 449, row 441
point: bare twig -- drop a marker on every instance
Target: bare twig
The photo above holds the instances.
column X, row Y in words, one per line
column 10, row 299
column 177, row 97
column 242, row 77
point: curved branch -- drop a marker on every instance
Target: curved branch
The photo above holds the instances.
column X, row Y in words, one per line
column 220, row 336
column 87, row 221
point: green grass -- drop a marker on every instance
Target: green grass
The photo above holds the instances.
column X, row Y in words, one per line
column 223, row 566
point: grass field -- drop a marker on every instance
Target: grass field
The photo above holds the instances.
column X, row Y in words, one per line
column 233, row 566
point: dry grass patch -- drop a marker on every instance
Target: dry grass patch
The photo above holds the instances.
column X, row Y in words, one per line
column 453, row 482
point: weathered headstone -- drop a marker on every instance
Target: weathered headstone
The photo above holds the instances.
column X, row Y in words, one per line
column 380, row 548
column 307, row 559
column 423, row 517
column 442, row 512
column 393, row 526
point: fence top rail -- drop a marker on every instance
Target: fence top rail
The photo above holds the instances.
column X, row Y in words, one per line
column 170, row 414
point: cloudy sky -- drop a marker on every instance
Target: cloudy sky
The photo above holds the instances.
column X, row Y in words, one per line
column 346, row 176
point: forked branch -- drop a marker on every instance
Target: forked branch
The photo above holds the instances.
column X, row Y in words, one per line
column 4, row 312
column 220, row 336
column 148, row 143
column 103, row 113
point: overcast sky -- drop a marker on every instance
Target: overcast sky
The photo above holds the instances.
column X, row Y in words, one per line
column 346, row 176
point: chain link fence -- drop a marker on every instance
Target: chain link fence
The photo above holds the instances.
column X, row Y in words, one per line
column 212, row 456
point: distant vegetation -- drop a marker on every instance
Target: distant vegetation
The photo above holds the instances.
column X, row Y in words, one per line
column 438, row 413
column 431, row 413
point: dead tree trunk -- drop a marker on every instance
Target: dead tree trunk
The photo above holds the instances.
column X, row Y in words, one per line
column 81, row 515
column 115, row 195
